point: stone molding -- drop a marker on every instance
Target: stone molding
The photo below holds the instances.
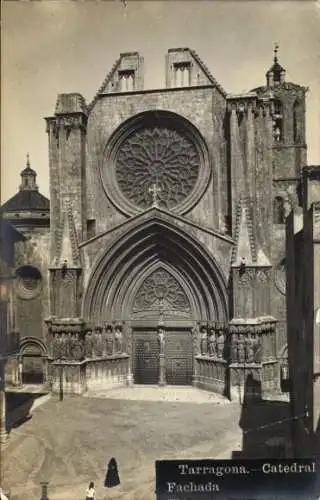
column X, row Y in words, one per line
column 172, row 239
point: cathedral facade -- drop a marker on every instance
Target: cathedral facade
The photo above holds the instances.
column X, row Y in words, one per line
column 160, row 258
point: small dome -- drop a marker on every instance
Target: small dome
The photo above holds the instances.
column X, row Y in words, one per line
column 28, row 198
column 276, row 74
column 28, row 170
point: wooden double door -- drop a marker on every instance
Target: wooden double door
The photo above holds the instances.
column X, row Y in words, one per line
column 177, row 351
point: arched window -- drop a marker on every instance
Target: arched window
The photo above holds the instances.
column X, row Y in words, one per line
column 182, row 74
column 278, row 210
column 296, row 121
column 277, row 119
column 126, row 80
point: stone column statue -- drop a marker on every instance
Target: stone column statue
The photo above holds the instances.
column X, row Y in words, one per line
column 69, row 345
column 234, row 348
column 104, row 340
column 95, row 340
column 220, row 344
column 241, row 349
column 212, row 343
column 196, row 340
column 109, row 340
column 161, row 337
column 118, row 339
column 257, row 348
column 64, row 348
column 204, row 341
column 162, row 374
column 76, row 346
column 249, row 350
column 55, row 346
column 98, row 342
column 20, row 370
column 88, row 344
column 196, row 352
column 130, row 353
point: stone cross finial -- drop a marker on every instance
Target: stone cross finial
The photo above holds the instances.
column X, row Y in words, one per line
column 154, row 190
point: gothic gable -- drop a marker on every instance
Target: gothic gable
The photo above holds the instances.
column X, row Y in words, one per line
column 67, row 249
column 245, row 247
column 126, row 74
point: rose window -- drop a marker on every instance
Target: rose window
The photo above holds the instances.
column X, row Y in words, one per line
column 157, row 165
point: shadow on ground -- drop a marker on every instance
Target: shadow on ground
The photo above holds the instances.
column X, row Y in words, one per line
column 18, row 406
column 266, row 425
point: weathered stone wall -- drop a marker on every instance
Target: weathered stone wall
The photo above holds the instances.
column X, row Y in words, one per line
column 66, row 135
column 248, row 169
column 30, row 311
column 111, row 111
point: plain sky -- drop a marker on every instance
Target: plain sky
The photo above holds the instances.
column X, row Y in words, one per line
column 55, row 46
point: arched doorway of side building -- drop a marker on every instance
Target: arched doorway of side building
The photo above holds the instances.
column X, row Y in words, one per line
column 32, row 362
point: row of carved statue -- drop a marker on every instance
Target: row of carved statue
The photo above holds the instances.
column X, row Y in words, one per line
column 104, row 341
column 110, row 340
column 66, row 345
column 209, row 341
column 97, row 342
column 246, row 349
column 212, row 342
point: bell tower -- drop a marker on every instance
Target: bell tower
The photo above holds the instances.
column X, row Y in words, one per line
column 288, row 115
column 289, row 157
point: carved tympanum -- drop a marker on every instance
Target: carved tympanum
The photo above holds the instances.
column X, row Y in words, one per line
column 161, row 288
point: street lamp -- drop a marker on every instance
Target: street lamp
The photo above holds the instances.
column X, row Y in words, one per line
column 60, row 379
column 44, row 490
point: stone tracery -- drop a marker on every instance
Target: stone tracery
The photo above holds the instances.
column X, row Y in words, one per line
column 158, row 156
column 161, row 289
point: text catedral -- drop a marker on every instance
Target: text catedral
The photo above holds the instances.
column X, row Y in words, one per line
column 293, row 468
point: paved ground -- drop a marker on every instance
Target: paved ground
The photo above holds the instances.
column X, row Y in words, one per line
column 69, row 443
column 181, row 394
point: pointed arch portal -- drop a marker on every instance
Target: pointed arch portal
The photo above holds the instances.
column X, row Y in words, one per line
column 157, row 274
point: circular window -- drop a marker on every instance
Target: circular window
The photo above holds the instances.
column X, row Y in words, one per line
column 155, row 159
column 28, row 282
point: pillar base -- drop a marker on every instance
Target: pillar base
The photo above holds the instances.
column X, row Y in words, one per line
column 3, row 436
column 130, row 380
